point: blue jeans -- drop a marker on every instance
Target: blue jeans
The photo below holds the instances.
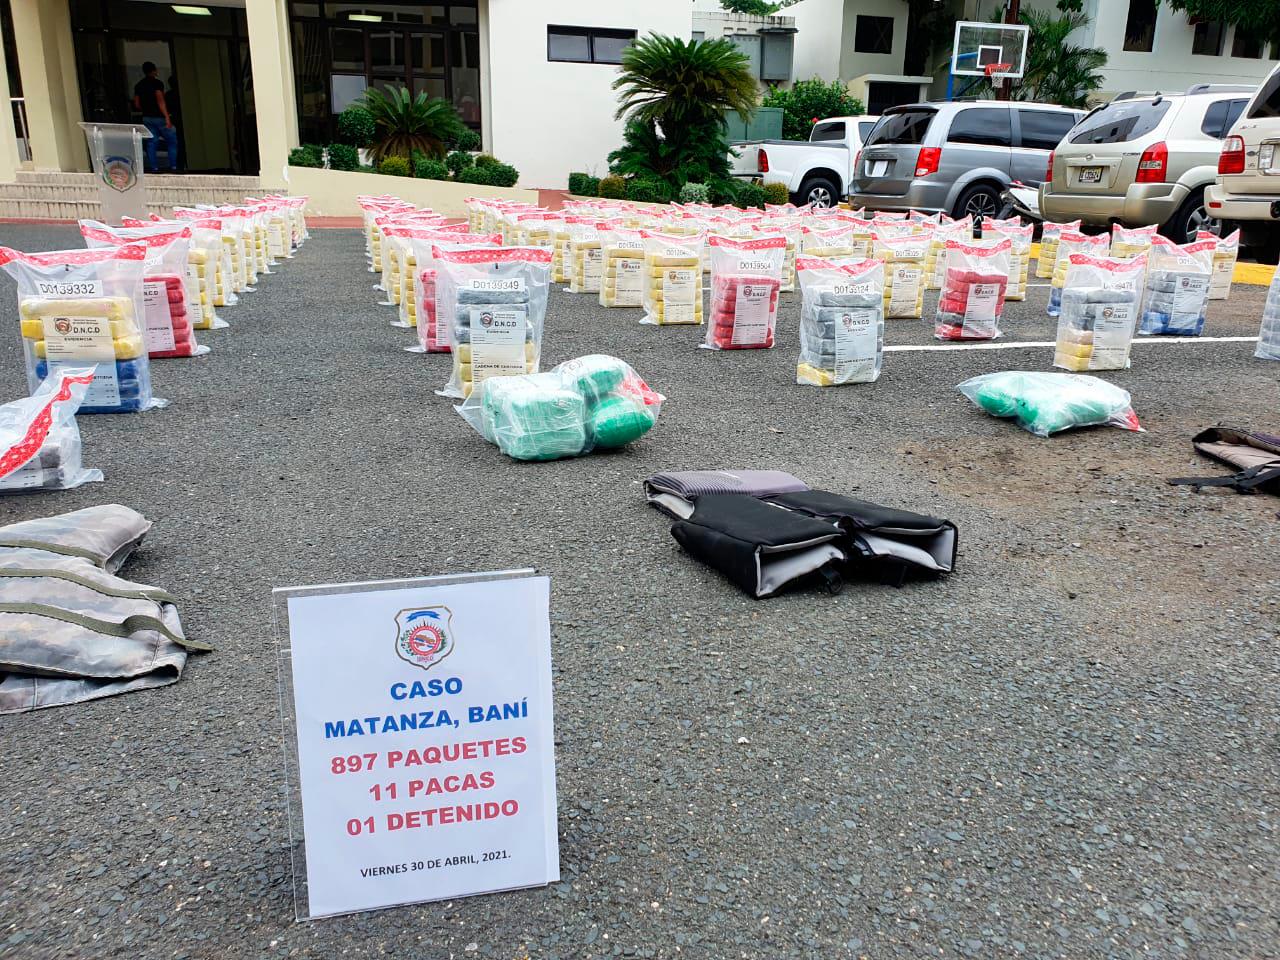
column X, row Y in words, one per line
column 158, row 132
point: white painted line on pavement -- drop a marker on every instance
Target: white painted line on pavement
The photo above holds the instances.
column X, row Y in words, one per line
column 1014, row 345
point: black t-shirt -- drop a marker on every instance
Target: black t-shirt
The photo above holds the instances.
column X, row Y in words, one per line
column 145, row 91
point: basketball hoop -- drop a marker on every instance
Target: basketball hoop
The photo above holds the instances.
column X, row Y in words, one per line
column 997, row 72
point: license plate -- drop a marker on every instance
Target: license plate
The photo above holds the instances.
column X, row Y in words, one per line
column 1090, row 174
column 878, row 168
column 1267, row 157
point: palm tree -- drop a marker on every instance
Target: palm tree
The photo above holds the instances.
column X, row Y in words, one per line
column 675, row 83
column 674, row 95
column 1057, row 70
column 405, row 124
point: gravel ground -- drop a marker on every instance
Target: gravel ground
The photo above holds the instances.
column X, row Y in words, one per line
column 1066, row 749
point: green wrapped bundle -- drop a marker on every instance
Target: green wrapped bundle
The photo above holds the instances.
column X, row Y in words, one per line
column 593, row 401
column 533, row 417
column 618, row 420
column 594, row 376
column 1045, row 403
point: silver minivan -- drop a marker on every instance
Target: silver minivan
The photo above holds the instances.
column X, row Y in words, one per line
column 956, row 156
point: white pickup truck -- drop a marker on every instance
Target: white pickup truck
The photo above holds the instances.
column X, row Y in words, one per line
column 816, row 171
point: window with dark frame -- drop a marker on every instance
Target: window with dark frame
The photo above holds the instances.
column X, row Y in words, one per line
column 987, row 126
column 1246, row 44
column 1044, row 129
column 873, row 34
column 353, row 44
column 1140, row 26
column 587, row 44
column 1208, row 37
column 1221, row 116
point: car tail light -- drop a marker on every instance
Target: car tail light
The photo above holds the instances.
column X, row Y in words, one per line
column 857, row 164
column 928, row 161
column 1231, row 160
column 1048, row 171
column 1153, row 164
column 762, row 162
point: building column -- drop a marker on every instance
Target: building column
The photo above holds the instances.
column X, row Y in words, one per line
column 273, row 100
column 486, row 99
column 47, row 65
column 10, row 160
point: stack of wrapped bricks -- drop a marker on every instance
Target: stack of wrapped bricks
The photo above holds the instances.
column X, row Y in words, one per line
column 1177, row 294
column 841, row 322
column 746, row 278
column 82, row 308
column 904, row 259
column 496, row 298
column 1226, row 251
column 1049, row 235
column 622, row 283
column 1099, row 312
column 1095, row 329
column 1269, row 333
column 673, row 269
column 971, row 303
column 587, row 263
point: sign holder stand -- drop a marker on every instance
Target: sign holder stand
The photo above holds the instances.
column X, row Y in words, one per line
column 116, row 152
column 292, row 786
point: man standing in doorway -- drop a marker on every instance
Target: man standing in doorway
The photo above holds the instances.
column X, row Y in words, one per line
column 148, row 97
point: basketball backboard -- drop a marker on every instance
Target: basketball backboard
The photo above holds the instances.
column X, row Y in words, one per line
column 982, row 45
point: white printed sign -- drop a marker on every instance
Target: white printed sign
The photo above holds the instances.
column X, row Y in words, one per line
column 628, row 282
column 497, row 340
column 751, row 314
column 424, row 733
column 158, row 319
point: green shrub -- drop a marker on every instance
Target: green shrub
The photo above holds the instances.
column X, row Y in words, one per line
column 648, row 190
column 405, row 122
column 695, row 193
column 484, row 160
column 343, row 156
column 367, row 168
column 583, row 184
column 612, row 188
column 457, row 162
column 356, row 126
column 482, row 175
column 776, row 193
column 468, row 141
column 808, row 101
column 394, row 167
column 305, row 156
column 724, row 190
column 425, row 168
column 750, row 195
column 503, row 175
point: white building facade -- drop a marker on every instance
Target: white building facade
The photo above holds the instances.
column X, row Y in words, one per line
column 860, row 43
column 549, row 66
column 1152, row 47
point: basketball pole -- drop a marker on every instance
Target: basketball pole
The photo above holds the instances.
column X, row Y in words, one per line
column 1005, row 90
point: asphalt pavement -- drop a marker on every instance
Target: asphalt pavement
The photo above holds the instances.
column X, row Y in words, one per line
column 1067, row 749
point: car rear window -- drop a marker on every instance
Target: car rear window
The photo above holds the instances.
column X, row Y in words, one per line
column 1268, row 102
column 910, row 126
column 827, row 131
column 1221, row 117
column 1121, row 121
column 864, row 129
column 984, row 125
column 1044, row 129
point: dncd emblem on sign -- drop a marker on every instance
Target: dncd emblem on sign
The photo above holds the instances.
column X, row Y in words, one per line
column 424, row 635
